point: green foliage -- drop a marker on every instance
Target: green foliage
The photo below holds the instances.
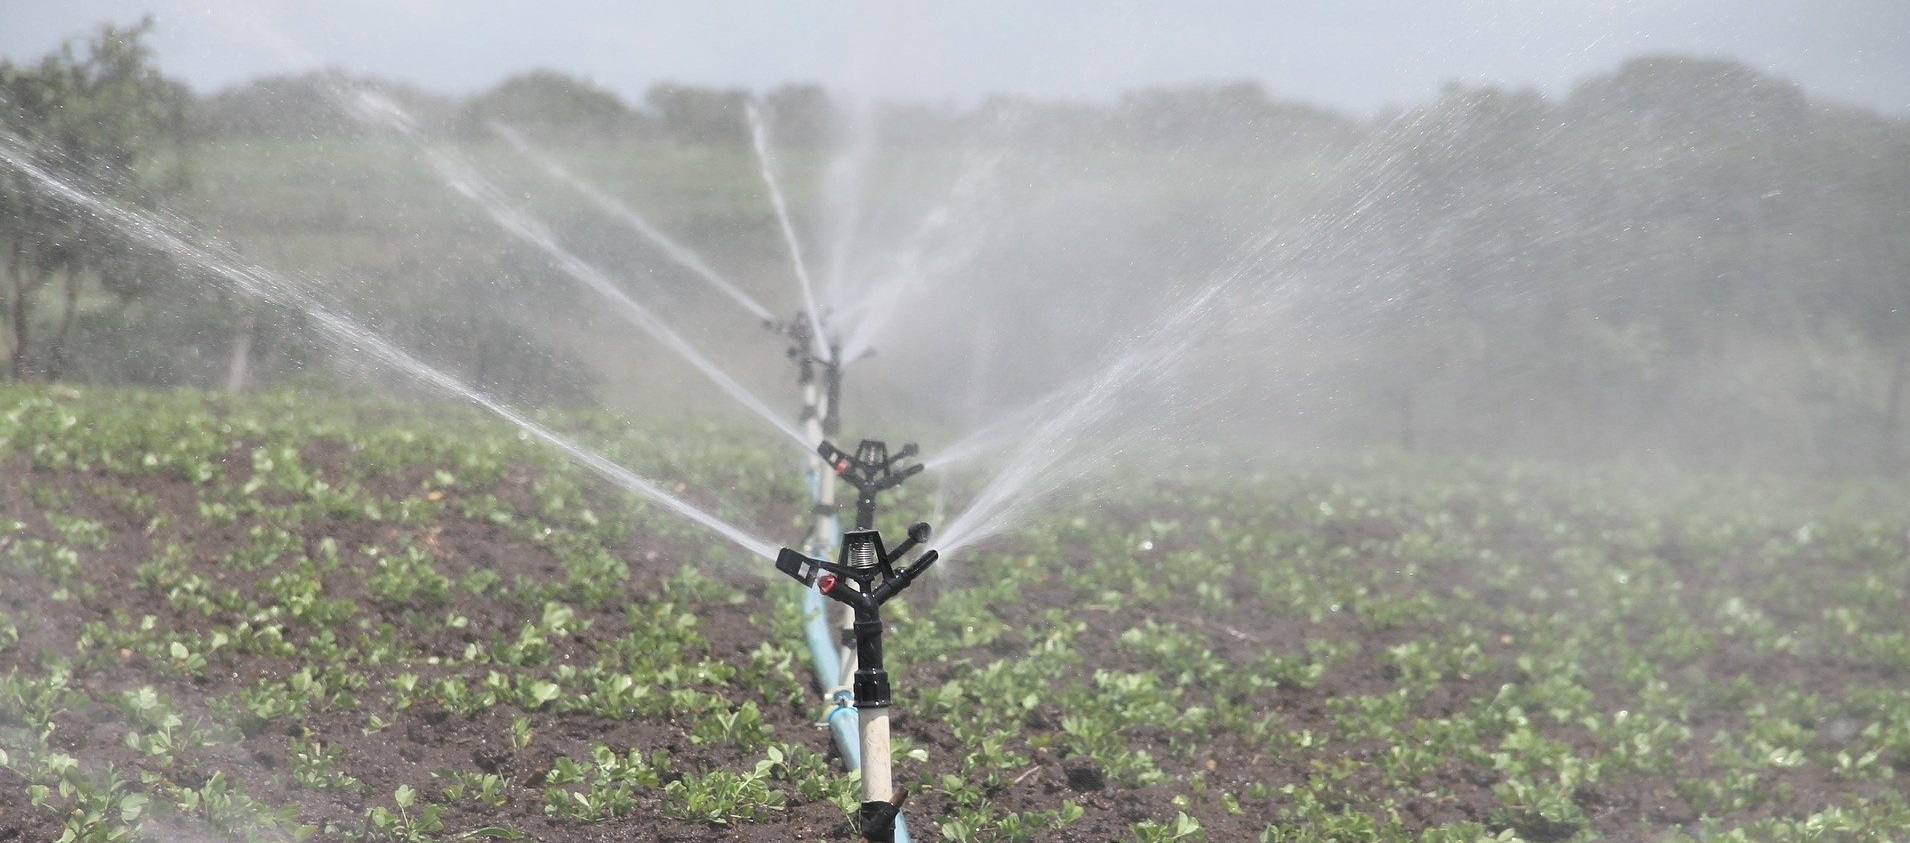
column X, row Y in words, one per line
column 549, row 102
column 1418, row 627
column 409, row 577
column 405, row 825
column 99, row 115
column 1181, row 828
column 608, row 784
column 722, row 797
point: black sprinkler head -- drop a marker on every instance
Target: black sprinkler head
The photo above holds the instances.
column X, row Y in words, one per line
column 871, row 470
column 864, row 561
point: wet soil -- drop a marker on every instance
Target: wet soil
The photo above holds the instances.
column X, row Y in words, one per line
column 385, row 746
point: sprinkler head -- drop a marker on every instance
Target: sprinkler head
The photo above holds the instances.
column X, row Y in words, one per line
column 864, row 561
column 871, row 470
column 815, row 367
column 871, row 467
column 870, row 569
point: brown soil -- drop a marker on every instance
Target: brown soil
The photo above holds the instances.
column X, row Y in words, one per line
column 53, row 617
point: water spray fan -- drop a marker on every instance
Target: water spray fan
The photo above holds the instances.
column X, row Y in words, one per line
column 863, row 578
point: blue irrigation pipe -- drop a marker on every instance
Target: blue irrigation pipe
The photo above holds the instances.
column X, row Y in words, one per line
column 822, row 647
column 842, row 720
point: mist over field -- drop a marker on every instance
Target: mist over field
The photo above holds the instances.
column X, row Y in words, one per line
column 1680, row 258
column 381, row 461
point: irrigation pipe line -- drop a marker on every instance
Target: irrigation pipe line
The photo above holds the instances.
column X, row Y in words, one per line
column 864, row 577
column 834, row 653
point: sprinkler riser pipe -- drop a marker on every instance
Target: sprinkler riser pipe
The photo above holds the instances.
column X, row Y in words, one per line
column 832, row 391
column 878, row 784
column 872, row 680
column 863, row 578
column 846, row 648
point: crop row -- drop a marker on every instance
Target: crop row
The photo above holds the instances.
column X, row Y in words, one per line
column 246, row 617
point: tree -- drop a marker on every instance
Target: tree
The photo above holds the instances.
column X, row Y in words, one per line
column 700, row 115
column 310, row 105
column 1236, row 112
column 545, row 100
column 99, row 116
column 801, row 115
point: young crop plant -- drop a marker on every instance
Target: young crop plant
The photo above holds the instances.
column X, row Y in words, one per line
column 98, row 809
column 722, row 797
column 408, row 578
column 771, row 676
column 56, row 563
column 742, row 728
column 1099, row 739
column 814, row 778
column 1322, row 812
column 316, row 765
column 489, row 790
column 1542, row 778
column 405, row 825
column 612, row 785
column 222, row 806
column 984, row 824
column 299, row 592
column 533, row 647
column 1181, row 829
column 1176, row 652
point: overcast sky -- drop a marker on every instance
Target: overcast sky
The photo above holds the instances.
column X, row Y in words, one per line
column 1361, row 55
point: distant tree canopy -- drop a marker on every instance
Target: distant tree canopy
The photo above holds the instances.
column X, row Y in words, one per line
column 1672, row 95
column 308, row 105
column 1684, row 252
column 1236, row 112
column 548, row 101
column 97, row 114
column 1633, row 246
column 1239, row 114
column 802, row 115
column 691, row 114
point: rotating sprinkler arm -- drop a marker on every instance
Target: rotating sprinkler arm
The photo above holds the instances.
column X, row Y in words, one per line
column 918, row 533
column 832, row 391
column 870, row 594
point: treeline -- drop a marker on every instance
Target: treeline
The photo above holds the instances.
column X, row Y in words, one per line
column 1683, row 256
column 306, row 106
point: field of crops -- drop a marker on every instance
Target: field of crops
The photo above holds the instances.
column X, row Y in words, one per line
column 282, row 618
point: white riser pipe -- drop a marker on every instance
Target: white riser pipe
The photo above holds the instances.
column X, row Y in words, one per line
column 877, row 786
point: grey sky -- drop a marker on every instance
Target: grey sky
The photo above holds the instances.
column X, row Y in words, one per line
column 1355, row 54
